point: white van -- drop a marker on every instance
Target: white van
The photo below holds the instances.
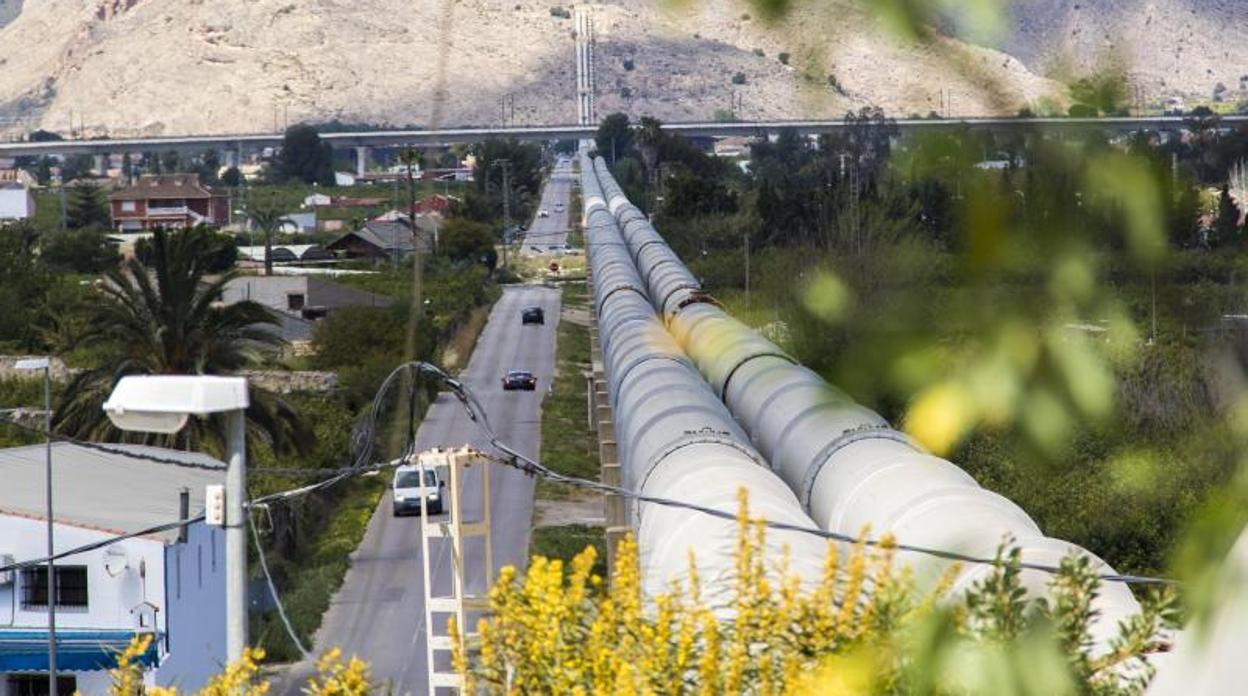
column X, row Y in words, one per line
column 409, row 490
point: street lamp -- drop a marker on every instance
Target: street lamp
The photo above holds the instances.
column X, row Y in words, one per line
column 162, row 404
column 45, row 364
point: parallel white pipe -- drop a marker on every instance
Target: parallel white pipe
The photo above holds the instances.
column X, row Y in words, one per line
column 676, row 438
column 846, row 465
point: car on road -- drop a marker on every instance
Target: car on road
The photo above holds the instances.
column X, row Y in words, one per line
column 519, row 379
column 416, row 485
column 543, row 213
column 558, row 207
column 533, row 315
column 563, row 250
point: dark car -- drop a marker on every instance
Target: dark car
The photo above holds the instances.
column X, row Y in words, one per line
column 533, row 315
column 519, row 379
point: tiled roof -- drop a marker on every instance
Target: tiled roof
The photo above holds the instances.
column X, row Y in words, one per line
column 165, row 186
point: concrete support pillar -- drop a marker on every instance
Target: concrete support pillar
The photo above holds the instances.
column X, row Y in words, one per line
column 591, row 403
column 229, row 159
column 361, row 160
column 606, row 427
column 101, row 165
column 613, row 504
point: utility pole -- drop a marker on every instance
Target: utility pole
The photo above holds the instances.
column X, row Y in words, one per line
column 235, row 537
column 45, row 364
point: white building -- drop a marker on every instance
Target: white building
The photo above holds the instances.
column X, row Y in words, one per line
column 169, row 586
column 16, row 203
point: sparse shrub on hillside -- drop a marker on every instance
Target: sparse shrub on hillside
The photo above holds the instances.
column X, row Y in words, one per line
column 628, row 64
column 759, row 52
column 835, row 84
column 626, row 92
column 745, row 17
column 560, row 12
column 738, row 79
column 784, row 57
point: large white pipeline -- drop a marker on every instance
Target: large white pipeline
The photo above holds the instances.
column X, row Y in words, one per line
column 848, row 467
column 676, row 438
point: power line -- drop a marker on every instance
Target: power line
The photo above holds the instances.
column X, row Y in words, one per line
column 155, row 459
column 528, row 465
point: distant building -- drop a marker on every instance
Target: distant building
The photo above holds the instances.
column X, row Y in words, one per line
column 317, row 200
column 166, row 585
column 168, row 200
column 16, row 202
column 293, row 254
column 299, row 300
column 379, row 240
column 299, row 223
column 437, row 203
column 344, row 179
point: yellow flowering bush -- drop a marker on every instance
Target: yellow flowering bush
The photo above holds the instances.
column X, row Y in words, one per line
column 863, row 629
column 241, row 678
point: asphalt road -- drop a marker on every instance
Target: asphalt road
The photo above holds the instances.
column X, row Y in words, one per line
column 378, row 614
column 546, row 232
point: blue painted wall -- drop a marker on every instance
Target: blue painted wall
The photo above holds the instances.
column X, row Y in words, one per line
column 195, row 623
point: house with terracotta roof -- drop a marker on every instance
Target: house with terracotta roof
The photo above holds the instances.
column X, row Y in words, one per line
column 168, row 200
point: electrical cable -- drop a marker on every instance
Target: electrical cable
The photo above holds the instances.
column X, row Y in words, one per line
column 530, row 466
column 277, row 600
column 56, row 437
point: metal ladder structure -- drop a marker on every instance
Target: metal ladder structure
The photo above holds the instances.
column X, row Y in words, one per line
column 453, row 530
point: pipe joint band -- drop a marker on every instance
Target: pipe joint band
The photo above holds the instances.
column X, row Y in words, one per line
column 702, row 436
column 723, row 391
column 618, row 288
column 847, row 438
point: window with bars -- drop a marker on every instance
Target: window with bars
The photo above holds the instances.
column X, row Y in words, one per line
column 37, row 685
column 71, row 586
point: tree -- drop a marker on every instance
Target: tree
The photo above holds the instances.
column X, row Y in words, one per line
column 270, row 219
column 649, row 140
column 76, row 167
column 1226, row 226
column 232, row 177
column 209, row 165
column 524, row 175
column 85, row 251
column 127, row 168
column 87, row 208
column 170, row 161
column 305, row 157
column 167, row 318
column 220, row 254
column 461, row 239
column 615, row 137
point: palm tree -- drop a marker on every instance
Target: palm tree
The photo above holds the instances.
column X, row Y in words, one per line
column 166, row 317
column 270, row 219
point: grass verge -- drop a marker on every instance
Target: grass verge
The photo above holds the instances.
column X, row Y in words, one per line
column 567, row 446
column 566, row 541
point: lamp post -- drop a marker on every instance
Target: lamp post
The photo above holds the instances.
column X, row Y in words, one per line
column 45, row 364
column 162, row 404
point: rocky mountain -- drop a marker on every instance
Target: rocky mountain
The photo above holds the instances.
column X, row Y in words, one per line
column 1167, row 48
column 123, row 67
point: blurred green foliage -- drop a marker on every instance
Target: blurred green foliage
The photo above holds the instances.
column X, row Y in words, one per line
column 1049, row 311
